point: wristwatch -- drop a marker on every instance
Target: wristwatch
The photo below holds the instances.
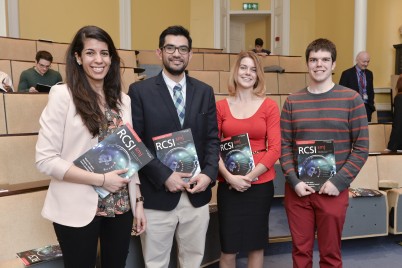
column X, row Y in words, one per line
column 140, row 199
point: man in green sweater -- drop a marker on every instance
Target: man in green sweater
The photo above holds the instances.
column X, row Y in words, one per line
column 39, row 74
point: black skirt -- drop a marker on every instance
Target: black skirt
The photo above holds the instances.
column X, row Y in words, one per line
column 243, row 217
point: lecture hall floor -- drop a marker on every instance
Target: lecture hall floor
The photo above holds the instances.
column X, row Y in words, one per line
column 357, row 253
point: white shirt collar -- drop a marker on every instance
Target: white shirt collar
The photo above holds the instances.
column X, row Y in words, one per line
column 170, row 84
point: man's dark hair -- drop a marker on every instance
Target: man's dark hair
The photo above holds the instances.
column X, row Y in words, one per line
column 259, row 42
column 175, row 30
column 43, row 54
column 321, row 44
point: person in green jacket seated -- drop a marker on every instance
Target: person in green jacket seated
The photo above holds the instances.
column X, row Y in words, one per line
column 39, row 74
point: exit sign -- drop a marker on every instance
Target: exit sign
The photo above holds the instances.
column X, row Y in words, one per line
column 250, row 6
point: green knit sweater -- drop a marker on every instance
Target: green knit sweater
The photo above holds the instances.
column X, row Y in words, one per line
column 30, row 77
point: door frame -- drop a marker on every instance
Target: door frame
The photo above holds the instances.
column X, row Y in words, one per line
column 224, row 30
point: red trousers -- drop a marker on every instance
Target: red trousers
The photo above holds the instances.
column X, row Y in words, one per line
column 316, row 213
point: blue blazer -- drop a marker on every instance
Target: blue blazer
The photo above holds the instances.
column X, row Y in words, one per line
column 154, row 114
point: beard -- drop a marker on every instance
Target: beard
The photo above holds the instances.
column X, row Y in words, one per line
column 174, row 71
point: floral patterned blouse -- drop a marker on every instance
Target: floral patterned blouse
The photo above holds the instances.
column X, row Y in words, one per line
column 118, row 202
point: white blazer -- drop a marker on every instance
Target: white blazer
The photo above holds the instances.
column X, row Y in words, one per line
column 62, row 139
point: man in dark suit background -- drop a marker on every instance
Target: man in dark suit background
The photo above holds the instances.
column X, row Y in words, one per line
column 172, row 207
column 360, row 79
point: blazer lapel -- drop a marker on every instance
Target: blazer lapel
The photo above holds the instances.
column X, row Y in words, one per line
column 167, row 99
column 190, row 91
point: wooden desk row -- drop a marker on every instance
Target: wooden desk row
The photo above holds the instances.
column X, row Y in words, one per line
column 20, row 112
column 25, row 50
column 14, row 68
column 275, row 83
column 211, row 61
column 203, row 58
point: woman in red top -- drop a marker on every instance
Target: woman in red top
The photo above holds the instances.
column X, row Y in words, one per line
column 244, row 201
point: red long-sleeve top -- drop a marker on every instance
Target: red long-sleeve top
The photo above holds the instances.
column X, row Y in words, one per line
column 263, row 129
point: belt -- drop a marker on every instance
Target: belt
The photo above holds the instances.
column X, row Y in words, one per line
column 259, row 151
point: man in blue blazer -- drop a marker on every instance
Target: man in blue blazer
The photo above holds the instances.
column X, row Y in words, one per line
column 360, row 78
column 174, row 207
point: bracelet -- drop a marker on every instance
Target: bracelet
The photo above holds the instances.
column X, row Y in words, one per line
column 140, row 199
column 104, row 178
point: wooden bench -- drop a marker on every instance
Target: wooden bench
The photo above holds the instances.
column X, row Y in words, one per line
column 196, row 63
column 387, row 130
column 270, row 60
column 293, row 64
column 17, row 49
column 272, row 83
column 390, row 174
column 17, row 67
column 58, row 50
column 208, row 67
column 366, row 216
column 17, row 55
column 128, row 77
column 3, row 127
column 5, row 67
column 24, row 228
column 21, row 225
column 23, row 110
column 216, row 62
column 209, row 77
column 377, row 138
column 291, row 82
column 17, row 162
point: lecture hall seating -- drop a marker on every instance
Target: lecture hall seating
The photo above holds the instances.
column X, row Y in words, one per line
column 19, row 126
column 22, row 227
column 22, row 111
column 3, row 128
column 5, row 67
column 389, row 174
column 377, row 138
column 366, row 216
column 214, row 68
column 17, row 55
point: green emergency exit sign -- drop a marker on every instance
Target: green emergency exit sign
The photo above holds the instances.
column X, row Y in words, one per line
column 250, row 6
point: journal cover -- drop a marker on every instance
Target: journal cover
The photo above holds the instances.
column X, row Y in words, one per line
column 316, row 162
column 121, row 149
column 236, row 154
column 38, row 255
column 177, row 151
column 364, row 192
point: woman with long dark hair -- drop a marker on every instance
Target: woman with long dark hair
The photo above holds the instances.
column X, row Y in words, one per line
column 79, row 114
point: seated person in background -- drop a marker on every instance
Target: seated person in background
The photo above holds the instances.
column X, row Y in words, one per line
column 258, row 48
column 395, row 139
column 40, row 73
column 6, row 84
